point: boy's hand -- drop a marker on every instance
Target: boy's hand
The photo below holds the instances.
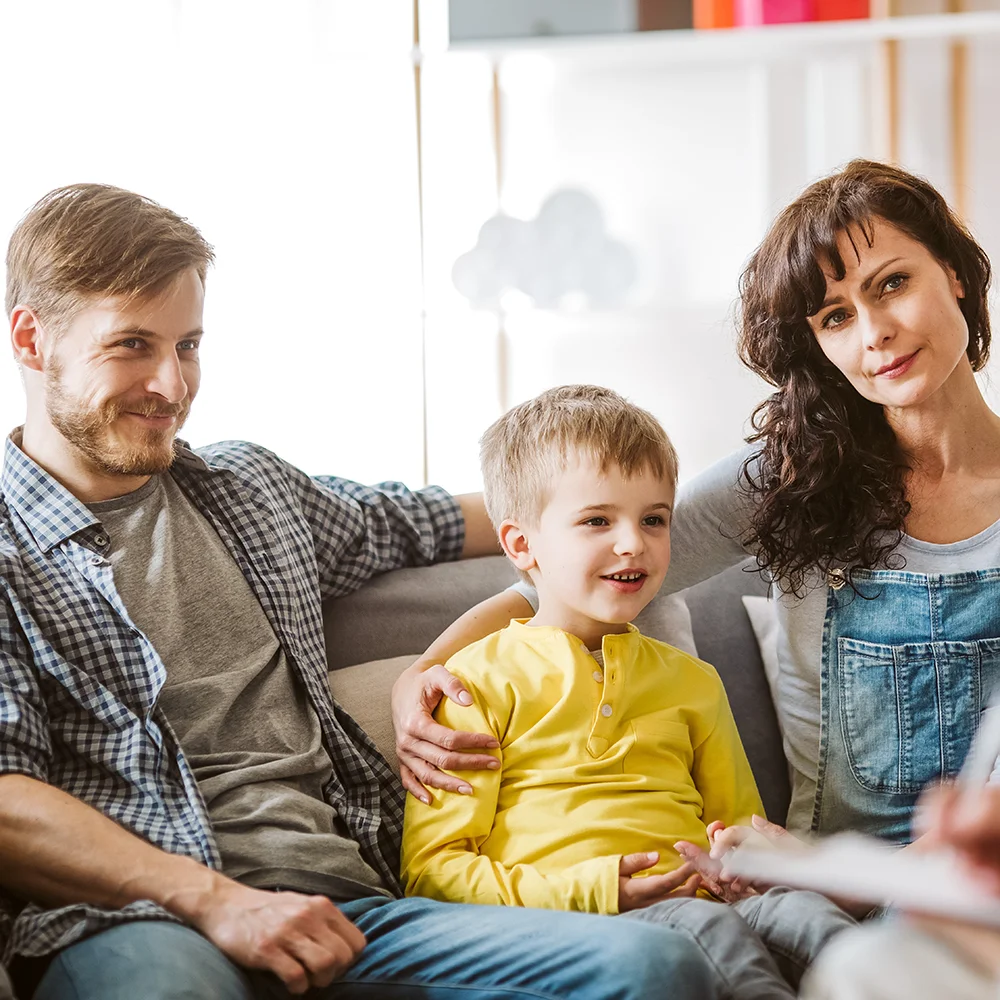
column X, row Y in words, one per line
column 637, row 893
column 728, row 888
column 710, row 865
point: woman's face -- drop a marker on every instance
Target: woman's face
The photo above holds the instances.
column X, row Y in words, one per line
column 893, row 324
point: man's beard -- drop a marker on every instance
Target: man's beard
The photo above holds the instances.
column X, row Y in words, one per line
column 146, row 452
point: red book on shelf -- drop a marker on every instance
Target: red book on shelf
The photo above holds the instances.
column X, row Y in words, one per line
column 753, row 12
column 840, row 10
column 713, row 13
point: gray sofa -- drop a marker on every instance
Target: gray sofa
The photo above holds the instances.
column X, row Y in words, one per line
column 372, row 634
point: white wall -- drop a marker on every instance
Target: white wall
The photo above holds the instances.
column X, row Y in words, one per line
column 286, row 133
column 690, row 159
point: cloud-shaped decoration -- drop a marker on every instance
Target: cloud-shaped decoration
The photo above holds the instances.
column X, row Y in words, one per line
column 565, row 249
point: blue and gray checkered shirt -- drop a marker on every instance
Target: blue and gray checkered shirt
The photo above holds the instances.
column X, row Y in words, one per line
column 79, row 681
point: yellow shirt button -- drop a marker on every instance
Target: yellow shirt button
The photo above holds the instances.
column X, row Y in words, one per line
column 605, row 710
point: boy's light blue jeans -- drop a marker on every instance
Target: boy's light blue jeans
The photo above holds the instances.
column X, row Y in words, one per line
column 416, row 948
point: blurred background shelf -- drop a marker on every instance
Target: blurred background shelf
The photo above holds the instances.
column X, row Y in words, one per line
column 659, row 48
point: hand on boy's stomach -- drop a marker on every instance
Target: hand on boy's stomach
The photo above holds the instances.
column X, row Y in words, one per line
column 637, row 893
column 423, row 745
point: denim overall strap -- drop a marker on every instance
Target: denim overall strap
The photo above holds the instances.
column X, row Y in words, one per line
column 909, row 663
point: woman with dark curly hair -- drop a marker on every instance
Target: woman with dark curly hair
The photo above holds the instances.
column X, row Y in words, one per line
column 869, row 495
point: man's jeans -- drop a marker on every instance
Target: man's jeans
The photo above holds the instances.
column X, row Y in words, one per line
column 416, row 948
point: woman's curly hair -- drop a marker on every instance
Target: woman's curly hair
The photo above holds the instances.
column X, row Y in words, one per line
column 829, row 484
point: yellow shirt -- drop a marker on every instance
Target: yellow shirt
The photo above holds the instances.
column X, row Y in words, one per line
column 595, row 763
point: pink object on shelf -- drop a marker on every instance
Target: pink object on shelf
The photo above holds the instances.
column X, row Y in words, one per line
column 754, row 12
column 841, row 10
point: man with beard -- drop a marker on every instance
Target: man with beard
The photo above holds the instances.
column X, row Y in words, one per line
column 183, row 810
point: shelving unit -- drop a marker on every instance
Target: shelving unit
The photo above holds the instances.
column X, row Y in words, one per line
column 688, row 46
column 777, row 44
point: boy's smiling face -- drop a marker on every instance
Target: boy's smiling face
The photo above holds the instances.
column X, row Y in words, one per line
column 600, row 549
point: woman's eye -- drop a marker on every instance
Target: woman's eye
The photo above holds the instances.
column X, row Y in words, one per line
column 894, row 282
column 653, row 521
column 834, row 319
column 130, row 343
column 596, row 522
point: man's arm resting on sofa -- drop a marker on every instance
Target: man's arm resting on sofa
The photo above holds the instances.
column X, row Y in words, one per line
column 56, row 850
column 480, row 535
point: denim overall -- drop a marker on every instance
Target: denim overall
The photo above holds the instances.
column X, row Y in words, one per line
column 906, row 674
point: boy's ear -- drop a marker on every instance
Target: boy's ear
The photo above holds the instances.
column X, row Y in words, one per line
column 515, row 545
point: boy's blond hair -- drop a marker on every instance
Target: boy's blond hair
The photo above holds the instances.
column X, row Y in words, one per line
column 522, row 452
column 92, row 241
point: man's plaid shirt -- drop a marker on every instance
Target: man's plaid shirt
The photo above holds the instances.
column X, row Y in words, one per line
column 79, row 682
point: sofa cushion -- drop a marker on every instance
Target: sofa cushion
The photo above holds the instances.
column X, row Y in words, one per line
column 363, row 691
column 726, row 640
column 401, row 612
column 398, row 612
column 764, row 621
column 408, row 609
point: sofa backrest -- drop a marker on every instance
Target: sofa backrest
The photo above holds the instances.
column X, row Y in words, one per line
column 725, row 639
column 402, row 612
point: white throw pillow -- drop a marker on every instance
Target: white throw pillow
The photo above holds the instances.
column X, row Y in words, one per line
column 763, row 616
column 667, row 618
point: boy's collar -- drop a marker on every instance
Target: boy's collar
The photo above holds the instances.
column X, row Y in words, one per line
column 526, row 631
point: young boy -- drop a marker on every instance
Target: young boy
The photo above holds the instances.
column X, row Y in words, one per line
column 613, row 746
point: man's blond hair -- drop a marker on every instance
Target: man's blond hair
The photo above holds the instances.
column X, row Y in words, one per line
column 87, row 242
column 524, row 450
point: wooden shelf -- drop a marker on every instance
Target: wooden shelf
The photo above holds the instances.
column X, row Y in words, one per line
column 659, row 48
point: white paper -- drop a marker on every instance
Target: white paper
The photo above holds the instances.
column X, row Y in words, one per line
column 864, row 869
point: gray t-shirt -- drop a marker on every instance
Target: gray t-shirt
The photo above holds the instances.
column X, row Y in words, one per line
column 243, row 719
column 711, row 515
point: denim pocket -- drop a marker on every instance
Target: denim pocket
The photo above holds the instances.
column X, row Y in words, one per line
column 909, row 712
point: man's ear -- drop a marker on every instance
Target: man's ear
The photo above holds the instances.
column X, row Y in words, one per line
column 516, row 546
column 27, row 338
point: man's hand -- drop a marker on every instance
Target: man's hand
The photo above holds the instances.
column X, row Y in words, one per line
column 304, row 940
column 637, row 893
column 60, row 851
column 424, row 746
